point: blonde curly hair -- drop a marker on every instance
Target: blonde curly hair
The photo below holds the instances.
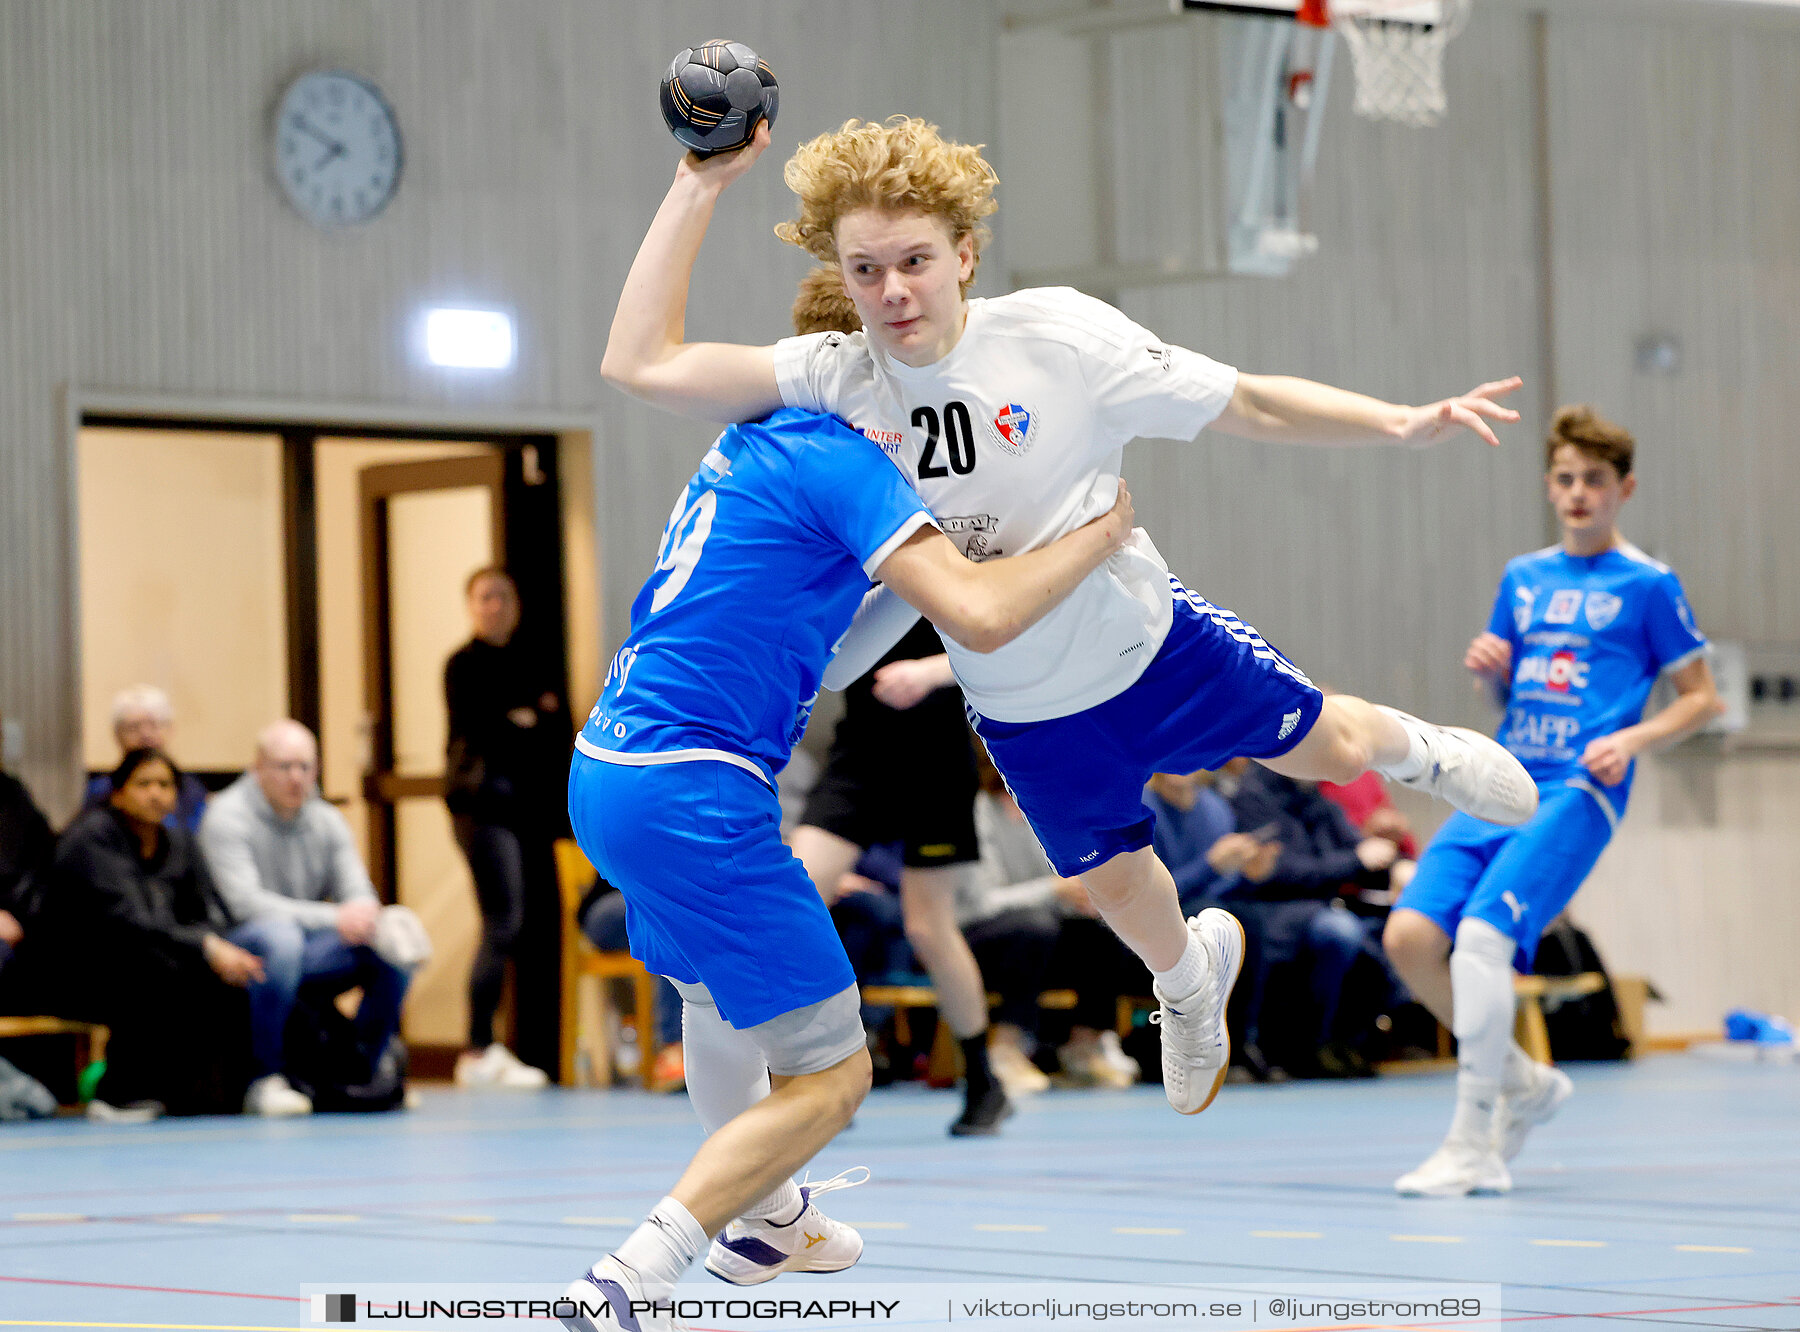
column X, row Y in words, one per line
column 823, row 306
column 902, row 163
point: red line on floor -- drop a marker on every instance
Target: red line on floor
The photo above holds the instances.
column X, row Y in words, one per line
column 161, row 1290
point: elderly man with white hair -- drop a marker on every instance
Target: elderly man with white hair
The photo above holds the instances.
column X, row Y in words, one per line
column 141, row 718
column 287, row 868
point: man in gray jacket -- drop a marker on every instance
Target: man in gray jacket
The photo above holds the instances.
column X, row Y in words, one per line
column 287, row 868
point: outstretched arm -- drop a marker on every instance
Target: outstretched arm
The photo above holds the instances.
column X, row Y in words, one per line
column 1280, row 409
column 646, row 354
column 985, row 606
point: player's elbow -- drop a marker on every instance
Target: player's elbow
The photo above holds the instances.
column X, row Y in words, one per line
column 623, row 372
column 979, row 625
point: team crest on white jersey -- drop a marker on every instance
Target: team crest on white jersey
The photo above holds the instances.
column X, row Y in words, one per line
column 1602, row 609
column 1012, row 428
column 1523, row 599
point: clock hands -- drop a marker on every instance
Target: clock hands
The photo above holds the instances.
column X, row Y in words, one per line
column 305, row 126
column 337, row 151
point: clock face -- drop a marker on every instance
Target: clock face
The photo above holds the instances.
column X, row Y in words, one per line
column 337, row 148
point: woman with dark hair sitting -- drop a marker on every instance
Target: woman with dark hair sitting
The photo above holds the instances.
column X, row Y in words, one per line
column 142, row 926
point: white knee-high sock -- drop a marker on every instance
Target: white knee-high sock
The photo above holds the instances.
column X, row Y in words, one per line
column 1481, row 980
column 726, row 1075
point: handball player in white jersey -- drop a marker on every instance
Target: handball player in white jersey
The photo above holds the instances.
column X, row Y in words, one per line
column 1009, row 415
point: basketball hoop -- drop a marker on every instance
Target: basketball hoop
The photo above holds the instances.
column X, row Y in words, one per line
column 1397, row 51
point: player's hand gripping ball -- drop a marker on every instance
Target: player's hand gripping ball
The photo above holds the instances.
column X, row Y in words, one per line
column 716, row 94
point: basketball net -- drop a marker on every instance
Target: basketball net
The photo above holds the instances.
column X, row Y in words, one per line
column 1398, row 60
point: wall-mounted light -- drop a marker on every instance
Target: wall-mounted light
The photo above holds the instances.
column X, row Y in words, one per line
column 1659, row 354
column 469, row 339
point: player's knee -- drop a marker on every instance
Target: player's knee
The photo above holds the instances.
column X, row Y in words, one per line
column 1411, row 941
column 844, row 1085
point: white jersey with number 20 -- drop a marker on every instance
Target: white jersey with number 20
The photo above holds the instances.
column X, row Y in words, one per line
column 1013, row 439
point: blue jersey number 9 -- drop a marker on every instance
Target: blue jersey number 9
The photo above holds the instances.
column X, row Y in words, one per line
column 681, row 546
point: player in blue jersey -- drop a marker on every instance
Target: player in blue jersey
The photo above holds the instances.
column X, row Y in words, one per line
column 1578, row 635
column 765, row 559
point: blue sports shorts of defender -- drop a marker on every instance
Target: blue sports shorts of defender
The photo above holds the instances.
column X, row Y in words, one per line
column 1215, row 691
column 712, row 896
column 1516, row 879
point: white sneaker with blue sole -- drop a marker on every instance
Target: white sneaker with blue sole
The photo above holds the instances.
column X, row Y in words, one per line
column 748, row 1253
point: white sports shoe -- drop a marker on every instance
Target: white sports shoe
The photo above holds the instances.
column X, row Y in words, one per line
column 602, row 1298
column 137, row 1112
column 498, row 1066
column 1196, row 1048
column 1518, row 1115
column 1471, row 772
column 273, row 1096
column 748, row 1253
column 1017, row 1074
column 1456, row 1169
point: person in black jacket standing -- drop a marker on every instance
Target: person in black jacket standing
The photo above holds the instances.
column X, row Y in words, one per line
column 26, row 843
column 133, row 909
column 505, row 776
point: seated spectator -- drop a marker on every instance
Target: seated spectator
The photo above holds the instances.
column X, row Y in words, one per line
column 137, row 916
column 26, row 845
column 1014, row 884
column 142, row 717
column 288, row 871
column 1371, row 809
column 1196, row 836
column 1296, row 914
column 602, row 918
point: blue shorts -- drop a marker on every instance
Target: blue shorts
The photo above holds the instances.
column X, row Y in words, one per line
column 1215, row 691
column 1515, row 879
column 712, row 896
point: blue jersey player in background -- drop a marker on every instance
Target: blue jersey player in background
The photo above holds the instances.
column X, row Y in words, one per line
column 1579, row 634
column 766, row 558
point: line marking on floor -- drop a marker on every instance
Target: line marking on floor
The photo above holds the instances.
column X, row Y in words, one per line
column 324, row 1218
column 199, row 1218
column 1289, row 1234
column 1148, row 1230
column 1710, row 1248
column 1427, row 1239
column 48, row 1216
column 1570, row 1244
column 597, row 1221
column 1027, row 1229
column 470, row 1219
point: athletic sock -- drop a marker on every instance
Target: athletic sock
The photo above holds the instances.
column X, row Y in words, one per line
column 1186, row 976
column 1473, row 1122
column 1481, row 983
column 1404, row 770
column 662, row 1248
column 782, row 1207
column 978, row 1074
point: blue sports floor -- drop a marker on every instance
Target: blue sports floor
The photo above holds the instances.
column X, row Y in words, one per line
column 1667, row 1194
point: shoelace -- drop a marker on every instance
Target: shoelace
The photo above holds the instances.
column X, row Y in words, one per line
column 837, row 1181
column 1193, row 1042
